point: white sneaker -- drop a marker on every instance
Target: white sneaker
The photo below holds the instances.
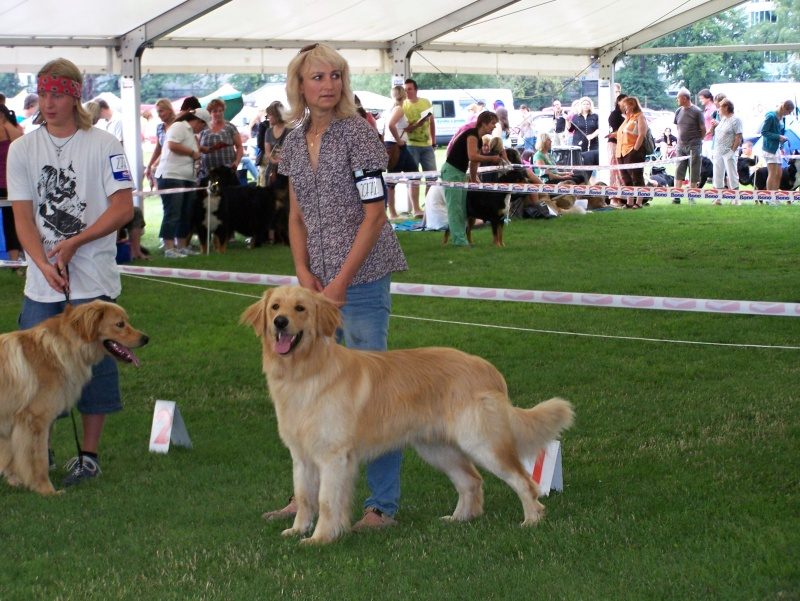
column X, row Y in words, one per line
column 174, row 253
column 187, row 251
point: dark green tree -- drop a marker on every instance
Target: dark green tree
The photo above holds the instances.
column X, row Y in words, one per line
column 9, row 84
column 639, row 77
column 697, row 71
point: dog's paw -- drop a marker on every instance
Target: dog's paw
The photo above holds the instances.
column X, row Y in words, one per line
column 534, row 518
column 292, row 532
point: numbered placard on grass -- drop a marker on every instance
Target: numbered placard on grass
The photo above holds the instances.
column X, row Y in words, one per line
column 545, row 468
column 168, row 427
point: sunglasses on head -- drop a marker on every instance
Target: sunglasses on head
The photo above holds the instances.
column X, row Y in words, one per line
column 307, row 48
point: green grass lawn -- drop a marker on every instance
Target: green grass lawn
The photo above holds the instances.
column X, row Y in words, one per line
column 681, row 472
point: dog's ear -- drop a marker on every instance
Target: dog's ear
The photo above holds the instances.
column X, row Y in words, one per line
column 328, row 316
column 256, row 314
column 85, row 319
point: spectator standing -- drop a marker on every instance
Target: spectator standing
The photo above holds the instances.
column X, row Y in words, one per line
column 727, row 138
column 586, row 127
column 526, row 132
column 167, row 116
column 615, row 119
column 220, row 143
column 559, row 123
column 342, row 244
column 421, row 136
column 772, row 133
column 503, row 128
column 177, row 169
column 706, row 104
column 110, row 120
column 10, row 130
column 630, row 147
column 395, row 140
column 70, row 188
column 691, row 131
column 30, row 108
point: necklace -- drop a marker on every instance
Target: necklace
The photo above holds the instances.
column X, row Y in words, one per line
column 59, row 147
column 314, row 136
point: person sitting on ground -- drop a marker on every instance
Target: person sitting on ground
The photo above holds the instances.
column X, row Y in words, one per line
column 747, row 163
column 668, row 143
column 545, row 164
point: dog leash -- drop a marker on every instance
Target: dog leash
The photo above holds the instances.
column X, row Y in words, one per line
column 65, row 274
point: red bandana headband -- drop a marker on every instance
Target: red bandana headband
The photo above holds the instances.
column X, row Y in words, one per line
column 59, row 85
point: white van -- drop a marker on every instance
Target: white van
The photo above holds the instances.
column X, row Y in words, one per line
column 450, row 107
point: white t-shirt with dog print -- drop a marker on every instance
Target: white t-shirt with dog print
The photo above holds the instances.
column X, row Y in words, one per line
column 69, row 193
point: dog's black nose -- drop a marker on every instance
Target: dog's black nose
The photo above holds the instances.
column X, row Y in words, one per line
column 280, row 322
column 145, row 339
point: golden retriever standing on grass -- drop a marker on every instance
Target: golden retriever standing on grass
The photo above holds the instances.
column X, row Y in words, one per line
column 42, row 373
column 337, row 407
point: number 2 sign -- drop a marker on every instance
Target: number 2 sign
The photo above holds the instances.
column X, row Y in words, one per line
column 168, row 427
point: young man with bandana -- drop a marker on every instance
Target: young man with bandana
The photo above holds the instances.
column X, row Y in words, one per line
column 70, row 188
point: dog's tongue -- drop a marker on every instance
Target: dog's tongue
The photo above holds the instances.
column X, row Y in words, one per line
column 121, row 352
column 284, row 343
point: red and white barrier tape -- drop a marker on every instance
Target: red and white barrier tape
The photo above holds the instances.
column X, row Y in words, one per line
column 741, row 307
column 770, row 196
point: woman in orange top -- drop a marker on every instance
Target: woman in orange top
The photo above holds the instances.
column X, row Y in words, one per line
column 630, row 146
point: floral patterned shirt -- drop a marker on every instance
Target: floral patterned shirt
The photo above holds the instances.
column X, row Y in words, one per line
column 330, row 202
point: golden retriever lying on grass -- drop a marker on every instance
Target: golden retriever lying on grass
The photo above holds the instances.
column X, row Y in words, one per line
column 42, row 373
column 337, row 407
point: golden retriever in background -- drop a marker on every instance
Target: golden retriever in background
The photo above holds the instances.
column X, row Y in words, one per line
column 42, row 373
column 337, row 407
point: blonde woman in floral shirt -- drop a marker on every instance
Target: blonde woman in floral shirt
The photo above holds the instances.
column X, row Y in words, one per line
column 342, row 244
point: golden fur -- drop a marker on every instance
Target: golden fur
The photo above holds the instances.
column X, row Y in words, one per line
column 42, row 373
column 337, row 407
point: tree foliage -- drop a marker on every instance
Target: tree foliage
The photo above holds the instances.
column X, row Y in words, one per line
column 697, row 71
column 640, row 77
column 9, row 84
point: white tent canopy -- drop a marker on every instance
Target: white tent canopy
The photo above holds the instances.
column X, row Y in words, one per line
column 455, row 36
column 532, row 37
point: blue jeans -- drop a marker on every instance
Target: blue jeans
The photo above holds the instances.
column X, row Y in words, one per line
column 423, row 156
column 246, row 165
column 365, row 326
column 178, row 207
column 101, row 395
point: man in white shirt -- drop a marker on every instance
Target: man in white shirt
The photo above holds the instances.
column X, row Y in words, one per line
column 70, row 188
column 108, row 120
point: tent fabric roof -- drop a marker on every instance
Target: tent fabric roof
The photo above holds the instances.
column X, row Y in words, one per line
column 457, row 36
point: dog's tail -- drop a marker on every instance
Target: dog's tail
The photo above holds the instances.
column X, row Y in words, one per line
column 533, row 428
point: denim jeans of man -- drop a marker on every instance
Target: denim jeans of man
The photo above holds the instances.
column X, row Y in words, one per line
column 365, row 326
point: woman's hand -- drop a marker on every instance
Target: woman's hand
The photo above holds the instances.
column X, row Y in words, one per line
column 336, row 291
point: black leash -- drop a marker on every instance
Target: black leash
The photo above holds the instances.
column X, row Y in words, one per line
column 72, row 410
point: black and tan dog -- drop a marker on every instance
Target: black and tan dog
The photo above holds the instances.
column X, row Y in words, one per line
column 227, row 208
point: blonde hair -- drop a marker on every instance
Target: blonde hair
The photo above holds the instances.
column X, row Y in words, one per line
column 580, row 104
column 93, row 108
column 543, row 137
column 164, row 103
column 496, row 144
column 399, row 95
column 316, row 55
column 62, row 67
